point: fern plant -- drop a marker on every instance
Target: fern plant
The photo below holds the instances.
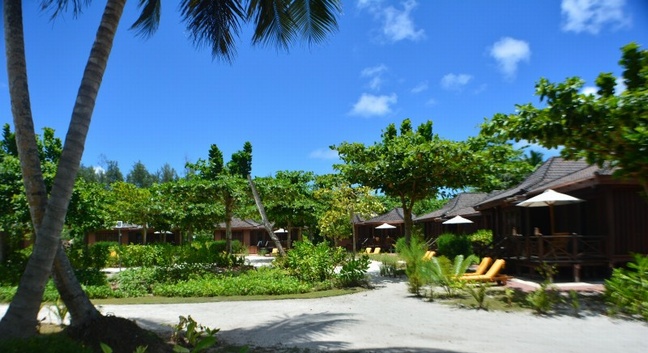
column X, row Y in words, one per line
column 445, row 273
column 412, row 254
column 627, row 289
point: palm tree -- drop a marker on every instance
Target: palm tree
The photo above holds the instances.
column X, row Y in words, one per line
column 211, row 22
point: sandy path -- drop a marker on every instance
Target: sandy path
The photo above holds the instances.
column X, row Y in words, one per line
column 388, row 319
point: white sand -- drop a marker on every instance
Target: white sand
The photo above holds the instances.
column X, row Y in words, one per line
column 388, row 319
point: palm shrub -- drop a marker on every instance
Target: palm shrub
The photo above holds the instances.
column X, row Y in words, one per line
column 412, row 254
column 312, row 263
column 354, row 272
column 445, row 273
column 451, row 245
column 627, row 289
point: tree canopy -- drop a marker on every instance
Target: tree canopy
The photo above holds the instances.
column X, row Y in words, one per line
column 606, row 128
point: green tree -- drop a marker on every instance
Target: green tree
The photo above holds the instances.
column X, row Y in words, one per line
column 131, row 204
column 410, row 166
column 289, row 200
column 609, row 127
column 275, row 22
column 228, row 180
column 140, row 176
column 342, row 202
column 166, row 174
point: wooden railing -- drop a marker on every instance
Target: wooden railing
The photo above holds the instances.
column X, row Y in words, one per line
column 559, row 248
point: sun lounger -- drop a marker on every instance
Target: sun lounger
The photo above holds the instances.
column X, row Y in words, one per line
column 275, row 251
column 429, row 254
column 368, row 251
column 376, row 250
column 493, row 274
column 481, row 269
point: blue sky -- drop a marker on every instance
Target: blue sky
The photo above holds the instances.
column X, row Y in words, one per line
column 452, row 62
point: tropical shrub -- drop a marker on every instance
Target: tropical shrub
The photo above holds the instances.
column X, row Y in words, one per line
column 412, row 254
column 14, row 266
column 445, row 273
column 312, row 263
column 627, row 289
column 451, row 245
column 354, row 272
column 59, row 343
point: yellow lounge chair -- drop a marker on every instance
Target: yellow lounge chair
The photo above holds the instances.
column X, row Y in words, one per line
column 275, row 251
column 376, row 250
column 429, row 254
column 481, row 269
column 368, row 251
column 493, row 274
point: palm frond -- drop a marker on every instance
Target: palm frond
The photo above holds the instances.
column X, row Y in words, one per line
column 59, row 6
column 280, row 22
column 149, row 20
column 315, row 18
column 215, row 23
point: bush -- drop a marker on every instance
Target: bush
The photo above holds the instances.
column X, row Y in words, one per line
column 413, row 254
column 312, row 263
column 14, row 266
column 93, row 256
column 263, row 281
column 354, row 272
column 627, row 288
column 451, row 245
column 445, row 273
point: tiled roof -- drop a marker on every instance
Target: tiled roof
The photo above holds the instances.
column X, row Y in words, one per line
column 393, row 216
column 462, row 204
column 554, row 171
column 241, row 224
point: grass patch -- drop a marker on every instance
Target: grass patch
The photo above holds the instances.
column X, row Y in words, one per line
column 183, row 300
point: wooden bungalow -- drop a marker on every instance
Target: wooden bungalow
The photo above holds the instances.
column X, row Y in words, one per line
column 250, row 233
column 254, row 236
column 594, row 235
column 460, row 205
column 369, row 236
column 127, row 233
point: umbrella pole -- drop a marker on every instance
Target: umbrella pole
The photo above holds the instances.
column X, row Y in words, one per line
column 551, row 219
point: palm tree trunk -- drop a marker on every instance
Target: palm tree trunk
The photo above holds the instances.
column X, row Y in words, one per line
column 264, row 218
column 48, row 216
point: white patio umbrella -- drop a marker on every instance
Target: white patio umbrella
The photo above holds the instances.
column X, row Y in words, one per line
column 280, row 230
column 549, row 198
column 457, row 220
column 385, row 226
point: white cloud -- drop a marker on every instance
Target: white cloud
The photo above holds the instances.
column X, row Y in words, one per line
column 371, row 105
column 398, row 25
column 98, row 170
column 509, row 52
column 422, row 86
column 455, row 82
column 591, row 15
column 589, row 90
column 324, row 153
column 375, row 74
column 620, row 86
column 431, row 102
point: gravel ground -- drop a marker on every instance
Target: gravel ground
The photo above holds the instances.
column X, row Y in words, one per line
column 389, row 319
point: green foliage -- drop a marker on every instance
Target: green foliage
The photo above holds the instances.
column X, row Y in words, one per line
column 188, row 334
column 627, row 289
column 451, row 245
column 263, row 281
column 482, row 237
column 412, row 254
column 609, row 127
column 543, row 299
column 52, row 343
column 14, row 266
column 354, row 272
column 312, row 263
column 445, row 273
column 478, row 292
